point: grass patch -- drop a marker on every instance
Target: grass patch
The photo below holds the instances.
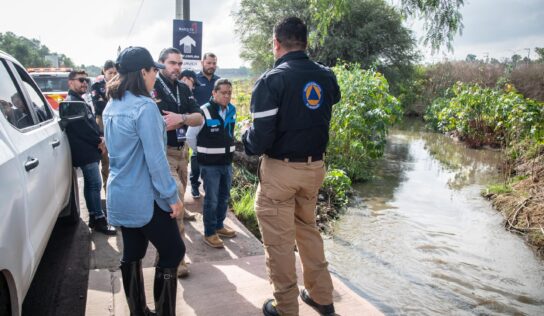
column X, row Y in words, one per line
column 244, row 210
column 496, row 189
column 244, row 186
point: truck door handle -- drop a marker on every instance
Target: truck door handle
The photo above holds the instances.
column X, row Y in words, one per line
column 55, row 143
column 31, row 163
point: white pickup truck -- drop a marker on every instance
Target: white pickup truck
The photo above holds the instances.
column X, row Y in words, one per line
column 37, row 181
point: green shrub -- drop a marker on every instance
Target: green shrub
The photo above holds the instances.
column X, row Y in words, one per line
column 337, row 186
column 432, row 113
column 360, row 121
column 487, row 116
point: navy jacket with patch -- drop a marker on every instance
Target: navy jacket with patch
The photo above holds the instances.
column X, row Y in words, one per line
column 291, row 107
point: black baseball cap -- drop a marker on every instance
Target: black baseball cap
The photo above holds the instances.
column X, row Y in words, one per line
column 135, row 58
column 188, row 73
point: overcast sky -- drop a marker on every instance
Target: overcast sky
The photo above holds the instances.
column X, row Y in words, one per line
column 90, row 31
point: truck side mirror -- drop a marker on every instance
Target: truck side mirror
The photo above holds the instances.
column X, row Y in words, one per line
column 71, row 111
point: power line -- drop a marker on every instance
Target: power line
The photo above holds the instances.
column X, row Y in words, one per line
column 134, row 22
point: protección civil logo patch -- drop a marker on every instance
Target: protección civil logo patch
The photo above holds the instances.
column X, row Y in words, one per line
column 312, row 95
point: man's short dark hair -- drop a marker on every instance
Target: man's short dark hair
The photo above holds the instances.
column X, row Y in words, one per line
column 76, row 72
column 189, row 74
column 206, row 55
column 108, row 65
column 167, row 51
column 223, row 81
column 291, row 33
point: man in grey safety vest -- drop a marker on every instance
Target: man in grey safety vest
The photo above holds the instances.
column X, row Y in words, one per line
column 213, row 142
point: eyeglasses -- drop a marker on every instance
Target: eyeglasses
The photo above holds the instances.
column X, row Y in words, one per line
column 82, row 80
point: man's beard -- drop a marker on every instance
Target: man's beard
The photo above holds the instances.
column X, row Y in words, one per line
column 209, row 71
column 173, row 76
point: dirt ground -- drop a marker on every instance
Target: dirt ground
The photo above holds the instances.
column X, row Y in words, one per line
column 523, row 208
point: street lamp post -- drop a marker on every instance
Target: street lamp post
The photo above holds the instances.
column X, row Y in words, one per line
column 183, row 9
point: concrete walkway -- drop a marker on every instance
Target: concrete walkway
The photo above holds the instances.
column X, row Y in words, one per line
column 228, row 281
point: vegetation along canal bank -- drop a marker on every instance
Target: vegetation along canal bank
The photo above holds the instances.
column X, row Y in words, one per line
column 481, row 108
column 371, row 104
column 358, row 131
column 486, row 110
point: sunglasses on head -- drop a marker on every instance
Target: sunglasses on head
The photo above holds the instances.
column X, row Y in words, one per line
column 82, row 80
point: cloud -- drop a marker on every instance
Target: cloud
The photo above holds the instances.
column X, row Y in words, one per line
column 501, row 20
column 89, row 32
column 496, row 28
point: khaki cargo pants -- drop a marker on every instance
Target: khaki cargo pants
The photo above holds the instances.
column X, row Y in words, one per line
column 285, row 207
column 178, row 161
column 105, row 170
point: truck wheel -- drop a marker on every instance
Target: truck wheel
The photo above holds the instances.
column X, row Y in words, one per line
column 72, row 209
column 5, row 302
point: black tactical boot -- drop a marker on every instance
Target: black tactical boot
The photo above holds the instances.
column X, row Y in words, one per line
column 91, row 222
column 269, row 308
column 323, row 310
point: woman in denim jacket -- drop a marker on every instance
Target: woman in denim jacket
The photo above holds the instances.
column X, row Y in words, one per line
column 142, row 196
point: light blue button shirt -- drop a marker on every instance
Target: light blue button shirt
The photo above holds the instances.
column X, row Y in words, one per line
column 139, row 173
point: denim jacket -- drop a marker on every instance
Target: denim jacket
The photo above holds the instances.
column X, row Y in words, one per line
column 139, row 173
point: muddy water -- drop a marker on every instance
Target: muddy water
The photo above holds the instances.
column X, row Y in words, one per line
column 419, row 239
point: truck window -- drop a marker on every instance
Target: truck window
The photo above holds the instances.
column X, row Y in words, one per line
column 36, row 97
column 13, row 105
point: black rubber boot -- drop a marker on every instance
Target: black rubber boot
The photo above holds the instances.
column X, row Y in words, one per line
column 133, row 283
column 164, row 291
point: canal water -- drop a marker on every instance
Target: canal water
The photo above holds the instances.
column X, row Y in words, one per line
column 419, row 239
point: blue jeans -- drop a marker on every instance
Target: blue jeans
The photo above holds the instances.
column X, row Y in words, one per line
column 194, row 175
column 92, row 184
column 217, row 180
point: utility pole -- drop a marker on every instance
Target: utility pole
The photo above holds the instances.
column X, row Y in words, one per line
column 183, row 9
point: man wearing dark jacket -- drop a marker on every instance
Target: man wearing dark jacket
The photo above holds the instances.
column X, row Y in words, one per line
column 86, row 146
column 291, row 106
column 213, row 142
column 178, row 106
column 204, row 83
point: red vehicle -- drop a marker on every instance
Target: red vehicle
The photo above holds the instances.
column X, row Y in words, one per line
column 53, row 82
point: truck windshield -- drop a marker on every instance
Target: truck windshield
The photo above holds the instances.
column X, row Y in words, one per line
column 52, row 83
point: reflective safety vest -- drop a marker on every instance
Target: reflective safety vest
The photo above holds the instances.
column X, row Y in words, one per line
column 215, row 141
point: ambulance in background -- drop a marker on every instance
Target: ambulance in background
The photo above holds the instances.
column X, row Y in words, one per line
column 53, row 82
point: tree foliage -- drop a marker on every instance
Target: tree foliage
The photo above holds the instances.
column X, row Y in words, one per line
column 370, row 33
column 254, row 23
column 325, row 13
column 540, row 52
column 441, row 17
column 29, row 52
